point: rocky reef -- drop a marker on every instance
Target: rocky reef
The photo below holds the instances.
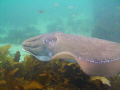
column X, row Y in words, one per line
column 107, row 20
column 17, row 35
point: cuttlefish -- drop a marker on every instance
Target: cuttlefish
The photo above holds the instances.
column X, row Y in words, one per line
column 95, row 56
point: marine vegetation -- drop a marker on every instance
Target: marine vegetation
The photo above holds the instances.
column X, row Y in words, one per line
column 33, row 74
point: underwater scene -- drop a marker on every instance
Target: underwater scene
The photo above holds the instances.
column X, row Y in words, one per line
column 59, row 44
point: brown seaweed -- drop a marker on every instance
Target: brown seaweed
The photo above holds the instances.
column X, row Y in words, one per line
column 32, row 74
column 4, row 49
column 17, row 56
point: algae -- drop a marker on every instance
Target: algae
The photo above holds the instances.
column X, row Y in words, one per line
column 17, row 56
column 33, row 74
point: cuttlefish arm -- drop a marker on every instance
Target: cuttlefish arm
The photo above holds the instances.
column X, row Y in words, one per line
column 95, row 56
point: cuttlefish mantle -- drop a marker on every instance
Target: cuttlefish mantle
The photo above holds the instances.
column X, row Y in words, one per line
column 95, row 56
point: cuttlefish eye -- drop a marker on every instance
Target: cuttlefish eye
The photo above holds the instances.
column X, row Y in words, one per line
column 48, row 41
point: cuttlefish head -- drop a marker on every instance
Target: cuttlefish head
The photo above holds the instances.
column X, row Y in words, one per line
column 57, row 45
column 41, row 47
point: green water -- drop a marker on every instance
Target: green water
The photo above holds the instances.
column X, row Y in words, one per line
column 21, row 18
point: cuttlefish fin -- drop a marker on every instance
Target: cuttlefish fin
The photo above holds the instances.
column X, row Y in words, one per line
column 64, row 55
column 90, row 68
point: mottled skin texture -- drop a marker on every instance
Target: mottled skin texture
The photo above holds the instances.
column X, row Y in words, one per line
column 95, row 56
